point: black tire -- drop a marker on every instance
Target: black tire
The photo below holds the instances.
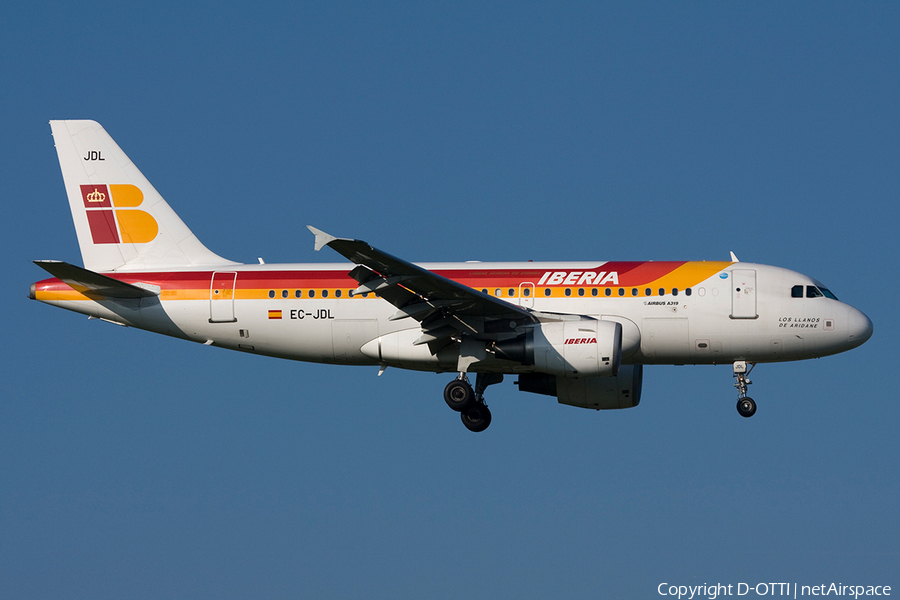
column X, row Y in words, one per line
column 746, row 407
column 459, row 395
column 476, row 418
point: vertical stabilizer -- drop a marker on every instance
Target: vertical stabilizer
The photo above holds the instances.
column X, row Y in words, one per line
column 122, row 222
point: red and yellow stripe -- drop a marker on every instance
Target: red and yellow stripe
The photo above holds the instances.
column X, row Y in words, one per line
column 256, row 285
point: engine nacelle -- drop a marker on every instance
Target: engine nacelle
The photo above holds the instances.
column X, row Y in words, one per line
column 621, row 391
column 584, row 348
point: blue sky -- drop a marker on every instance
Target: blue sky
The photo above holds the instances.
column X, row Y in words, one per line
column 136, row 466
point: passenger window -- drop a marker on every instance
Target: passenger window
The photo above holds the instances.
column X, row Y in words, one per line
column 621, row 291
column 271, row 293
column 648, row 292
column 634, row 292
column 512, row 293
column 813, row 292
column 674, row 291
column 324, row 293
column 797, row 291
column 312, row 293
column 687, row 292
column 568, row 291
column 546, row 291
column 662, row 292
column 297, row 294
column 337, row 293
column 581, row 291
column 498, row 292
column 284, row 293
column 526, row 292
column 608, row 292
column 594, row 291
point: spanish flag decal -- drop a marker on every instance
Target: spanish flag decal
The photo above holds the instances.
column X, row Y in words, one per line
column 274, row 314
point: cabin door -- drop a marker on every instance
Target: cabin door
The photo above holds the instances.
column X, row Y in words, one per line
column 743, row 294
column 221, row 297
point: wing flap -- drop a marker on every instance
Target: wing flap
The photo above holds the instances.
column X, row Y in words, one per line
column 421, row 310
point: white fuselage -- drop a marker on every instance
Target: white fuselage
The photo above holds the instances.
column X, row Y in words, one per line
column 742, row 312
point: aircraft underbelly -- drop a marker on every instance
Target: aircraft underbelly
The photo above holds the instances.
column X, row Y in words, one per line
column 665, row 338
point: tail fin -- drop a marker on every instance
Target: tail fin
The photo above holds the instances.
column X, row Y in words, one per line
column 122, row 222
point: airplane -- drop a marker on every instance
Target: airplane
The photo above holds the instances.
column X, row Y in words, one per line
column 579, row 331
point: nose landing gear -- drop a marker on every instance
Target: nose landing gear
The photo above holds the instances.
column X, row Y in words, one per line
column 746, row 406
column 469, row 403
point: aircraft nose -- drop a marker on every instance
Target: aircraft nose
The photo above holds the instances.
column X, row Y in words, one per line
column 859, row 327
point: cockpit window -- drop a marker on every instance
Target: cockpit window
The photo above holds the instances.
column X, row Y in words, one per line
column 812, row 291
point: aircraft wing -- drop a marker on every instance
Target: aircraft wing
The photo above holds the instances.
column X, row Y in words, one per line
column 444, row 307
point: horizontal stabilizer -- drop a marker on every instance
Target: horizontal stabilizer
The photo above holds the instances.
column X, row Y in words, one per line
column 89, row 282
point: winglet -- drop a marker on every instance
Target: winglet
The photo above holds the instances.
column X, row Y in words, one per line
column 322, row 238
column 734, row 258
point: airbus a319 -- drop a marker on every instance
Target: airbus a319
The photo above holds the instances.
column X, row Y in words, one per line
column 579, row 331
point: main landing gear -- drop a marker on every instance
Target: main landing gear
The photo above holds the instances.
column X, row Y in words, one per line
column 746, row 406
column 469, row 403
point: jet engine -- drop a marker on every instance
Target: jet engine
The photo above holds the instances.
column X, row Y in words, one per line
column 620, row 391
column 584, row 348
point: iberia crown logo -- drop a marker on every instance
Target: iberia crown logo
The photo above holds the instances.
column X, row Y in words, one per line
column 96, row 196
column 113, row 216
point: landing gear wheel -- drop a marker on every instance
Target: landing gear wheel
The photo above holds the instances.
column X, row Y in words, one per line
column 476, row 418
column 459, row 395
column 746, row 407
